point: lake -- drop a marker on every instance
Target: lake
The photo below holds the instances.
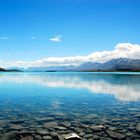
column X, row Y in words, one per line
column 100, row 106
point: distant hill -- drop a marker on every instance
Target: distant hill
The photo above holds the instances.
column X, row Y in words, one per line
column 89, row 66
column 121, row 64
column 9, row 70
column 1, row 69
column 13, row 70
column 51, row 68
column 114, row 64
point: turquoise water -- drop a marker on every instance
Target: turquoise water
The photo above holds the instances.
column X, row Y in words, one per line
column 84, row 98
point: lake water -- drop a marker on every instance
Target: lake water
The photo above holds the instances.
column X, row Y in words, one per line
column 100, row 106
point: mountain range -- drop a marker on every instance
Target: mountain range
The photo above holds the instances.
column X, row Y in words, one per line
column 120, row 64
column 9, row 70
column 1, row 69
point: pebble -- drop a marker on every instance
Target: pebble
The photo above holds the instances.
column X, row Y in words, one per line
column 38, row 137
column 16, row 127
column 50, row 125
column 1, row 128
column 97, row 128
column 44, row 119
column 66, row 124
column 8, row 136
column 115, row 135
column 54, row 134
column 42, row 132
column 60, row 128
column 27, row 138
column 88, row 136
column 138, row 127
column 47, row 138
column 71, row 136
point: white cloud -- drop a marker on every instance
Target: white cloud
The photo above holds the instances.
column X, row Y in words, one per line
column 56, row 39
column 124, row 50
column 4, row 38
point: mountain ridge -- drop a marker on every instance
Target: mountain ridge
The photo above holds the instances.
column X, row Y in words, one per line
column 123, row 64
column 1, row 69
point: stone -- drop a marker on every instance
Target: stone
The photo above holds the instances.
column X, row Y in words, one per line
column 81, row 134
column 91, row 116
column 1, row 128
column 60, row 128
column 112, row 128
column 3, row 122
column 71, row 136
column 42, row 132
column 96, row 137
column 16, row 127
column 54, row 134
column 85, row 125
column 8, row 136
column 116, row 120
column 50, row 125
column 78, row 130
column 38, row 137
column 24, row 132
column 129, row 134
column 66, row 124
column 45, row 119
column 47, row 138
column 27, row 138
column 138, row 127
column 89, row 131
column 97, row 127
column 60, row 137
column 115, row 135
column 88, row 136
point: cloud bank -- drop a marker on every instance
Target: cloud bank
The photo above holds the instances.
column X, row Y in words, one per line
column 56, row 39
column 123, row 50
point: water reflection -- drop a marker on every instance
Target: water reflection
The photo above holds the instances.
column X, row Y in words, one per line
column 123, row 87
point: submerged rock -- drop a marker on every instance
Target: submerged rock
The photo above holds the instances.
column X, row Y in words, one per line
column 27, row 138
column 44, row 119
column 88, row 136
column 3, row 122
column 42, row 132
column 61, row 128
column 97, row 127
column 50, row 125
column 115, row 135
column 54, row 134
column 1, row 128
column 47, row 138
column 16, row 127
column 24, row 132
column 38, row 137
column 66, row 124
column 138, row 127
column 71, row 136
column 8, row 136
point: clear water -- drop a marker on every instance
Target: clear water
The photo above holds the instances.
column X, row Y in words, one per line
column 109, row 99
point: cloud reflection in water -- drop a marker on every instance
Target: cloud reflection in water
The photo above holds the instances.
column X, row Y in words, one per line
column 123, row 87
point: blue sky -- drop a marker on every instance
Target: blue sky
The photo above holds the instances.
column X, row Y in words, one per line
column 36, row 29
